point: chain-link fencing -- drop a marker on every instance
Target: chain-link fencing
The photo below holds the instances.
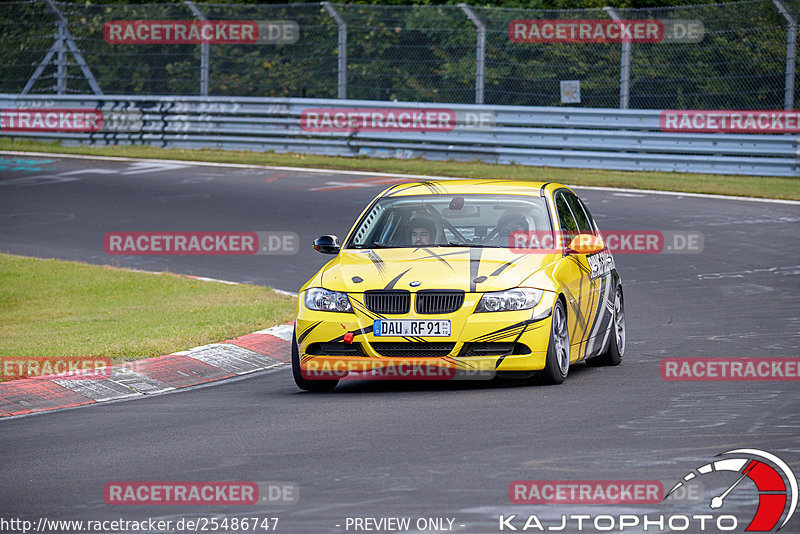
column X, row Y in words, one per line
column 718, row 56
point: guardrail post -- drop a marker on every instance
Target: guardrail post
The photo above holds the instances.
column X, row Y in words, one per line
column 341, row 91
column 791, row 47
column 204, row 49
column 625, row 64
column 480, row 60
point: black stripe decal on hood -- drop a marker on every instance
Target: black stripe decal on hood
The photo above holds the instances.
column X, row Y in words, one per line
column 506, row 265
column 474, row 267
column 391, row 284
column 377, row 261
column 437, row 256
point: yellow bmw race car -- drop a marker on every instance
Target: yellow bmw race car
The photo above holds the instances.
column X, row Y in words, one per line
column 461, row 279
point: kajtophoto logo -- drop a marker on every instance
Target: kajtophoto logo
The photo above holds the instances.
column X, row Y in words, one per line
column 775, row 488
column 774, row 480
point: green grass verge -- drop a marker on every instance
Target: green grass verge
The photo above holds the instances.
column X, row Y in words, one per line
column 61, row 308
column 751, row 186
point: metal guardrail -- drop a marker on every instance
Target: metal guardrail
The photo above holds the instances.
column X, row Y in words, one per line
column 536, row 136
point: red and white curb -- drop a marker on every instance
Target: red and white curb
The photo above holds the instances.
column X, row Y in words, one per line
column 265, row 349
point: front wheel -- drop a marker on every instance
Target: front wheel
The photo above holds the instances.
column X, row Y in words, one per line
column 304, row 383
column 557, row 361
column 616, row 346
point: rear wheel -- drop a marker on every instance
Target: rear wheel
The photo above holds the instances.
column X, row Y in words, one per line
column 303, row 383
column 557, row 361
column 616, row 346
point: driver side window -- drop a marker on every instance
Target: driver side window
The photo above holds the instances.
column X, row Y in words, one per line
column 569, row 228
column 583, row 220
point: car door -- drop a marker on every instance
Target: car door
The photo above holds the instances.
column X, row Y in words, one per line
column 602, row 264
column 576, row 285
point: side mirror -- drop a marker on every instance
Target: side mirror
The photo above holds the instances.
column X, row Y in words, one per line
column 585, row 244
column 327, row 244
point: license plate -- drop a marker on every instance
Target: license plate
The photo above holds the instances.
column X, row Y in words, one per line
column 411, row 327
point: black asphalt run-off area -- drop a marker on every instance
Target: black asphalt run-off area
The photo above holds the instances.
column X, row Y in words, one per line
column 378, row 449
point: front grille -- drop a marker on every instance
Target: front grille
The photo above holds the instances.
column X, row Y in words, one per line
column 335, row 348
column 413, row 350
column 433, row 301
column 487, row 349
column 392, row 301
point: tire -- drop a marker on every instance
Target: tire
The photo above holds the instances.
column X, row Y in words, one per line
column 557, row 361
column 616, row 346
column 302, row 383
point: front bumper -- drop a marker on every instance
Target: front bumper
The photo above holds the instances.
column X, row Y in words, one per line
column 479, row 344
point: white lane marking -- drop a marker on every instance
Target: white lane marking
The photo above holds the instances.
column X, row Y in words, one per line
column 89, row 171
column 337, row 185
column 287, row 293
column 205, row 279
column 143, row 167
column 394, row 175
column 790, row 270
column 694, row 195
column 283, row 331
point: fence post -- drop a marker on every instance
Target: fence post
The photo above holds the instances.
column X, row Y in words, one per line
column 791, row 47
column 204, row 49
column 341, row 91
column 63, row 44
column 625, row 64
column 480, row 60
column 61, row 61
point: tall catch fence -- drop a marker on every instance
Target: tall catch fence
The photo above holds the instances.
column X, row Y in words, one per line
column 719, row 56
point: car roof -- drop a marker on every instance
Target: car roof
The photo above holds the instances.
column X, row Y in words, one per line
column 465, row 187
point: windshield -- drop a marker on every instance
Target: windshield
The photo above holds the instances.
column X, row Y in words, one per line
column 449, row 220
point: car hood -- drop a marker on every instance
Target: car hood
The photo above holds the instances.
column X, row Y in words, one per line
column 468, row 269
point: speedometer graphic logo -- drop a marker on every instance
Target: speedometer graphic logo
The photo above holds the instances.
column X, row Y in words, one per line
column 775, row 482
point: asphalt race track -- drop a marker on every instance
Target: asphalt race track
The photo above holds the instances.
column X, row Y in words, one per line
column 417, row 450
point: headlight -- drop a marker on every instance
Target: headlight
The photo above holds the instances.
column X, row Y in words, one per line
column 325, row 300
column 523, row 298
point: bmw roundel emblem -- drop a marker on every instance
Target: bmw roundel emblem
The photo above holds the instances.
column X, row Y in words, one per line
column 415, row 283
